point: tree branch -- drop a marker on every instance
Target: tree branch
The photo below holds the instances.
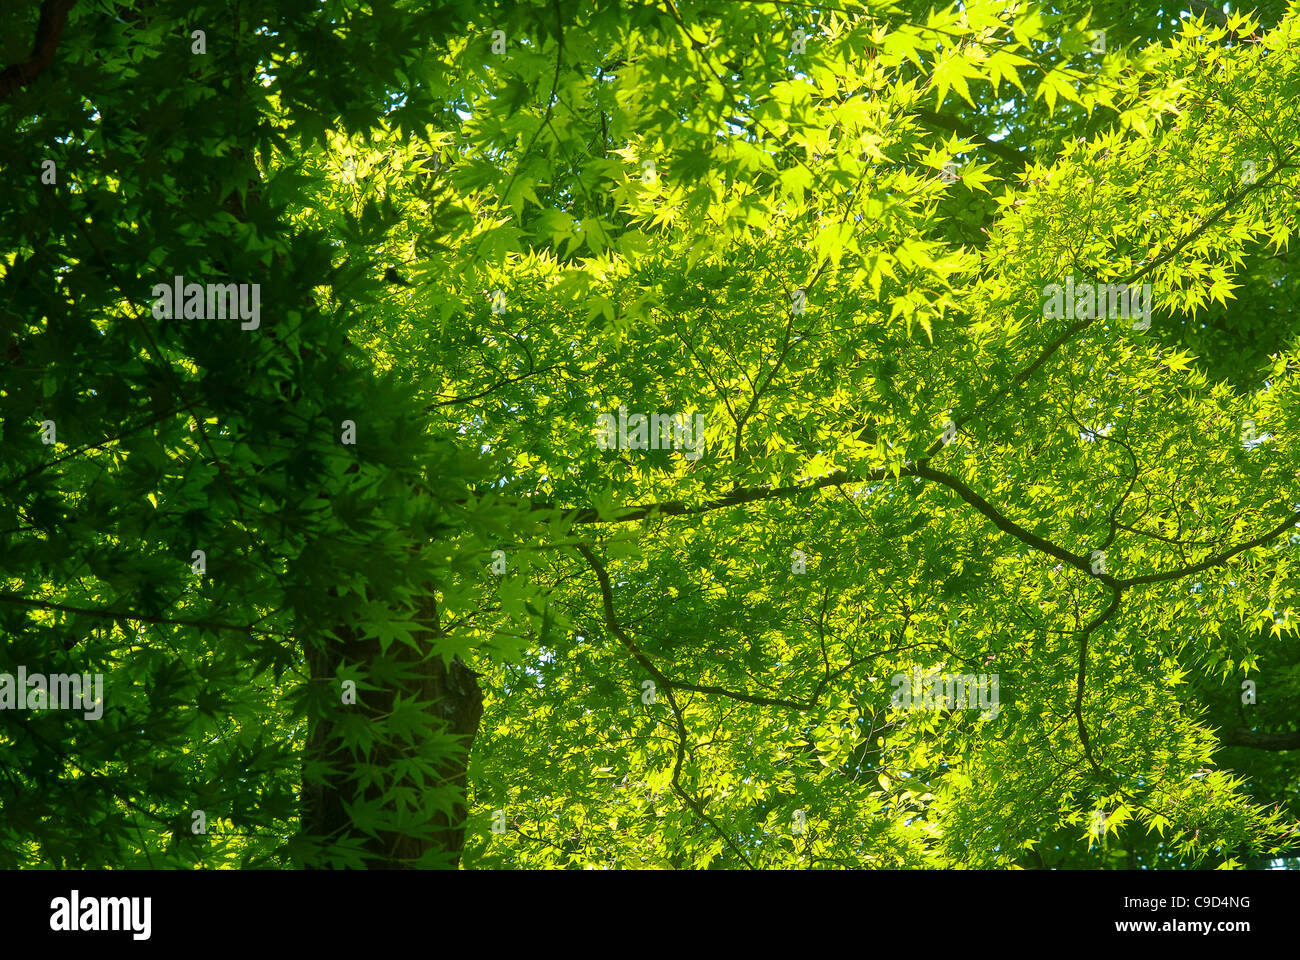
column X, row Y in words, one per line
column 945, row 122
column 1260, row 741
column 49, row 30
column 127, row 615
column 611, row 621
column 679, row 508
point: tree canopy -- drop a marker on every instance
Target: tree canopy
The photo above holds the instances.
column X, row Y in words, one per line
column 578, row 434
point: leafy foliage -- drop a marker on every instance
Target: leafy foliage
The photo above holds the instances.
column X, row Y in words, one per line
column 827, row 231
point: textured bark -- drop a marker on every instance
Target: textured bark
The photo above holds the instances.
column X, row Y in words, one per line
column 456, row 702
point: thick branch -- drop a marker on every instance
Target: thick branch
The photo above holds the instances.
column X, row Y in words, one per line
column 679, row 508
column 945, row 122
column 1218, row 559
column 1082, row 679
column 611, row 620
column 1260, row 741
column 127, row 615
column 1008, row 525
column 49, row 30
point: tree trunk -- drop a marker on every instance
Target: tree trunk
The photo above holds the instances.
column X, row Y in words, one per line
column 456, row 705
